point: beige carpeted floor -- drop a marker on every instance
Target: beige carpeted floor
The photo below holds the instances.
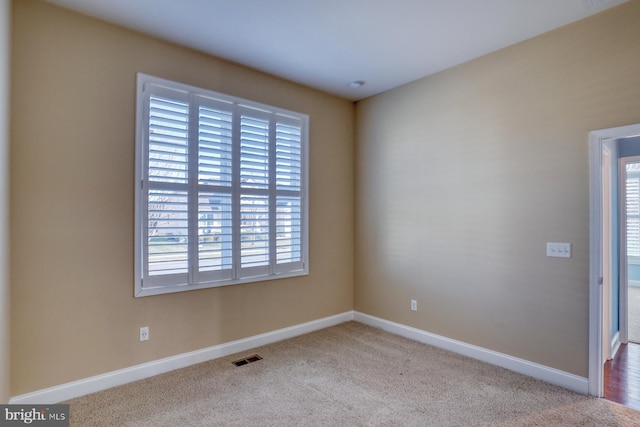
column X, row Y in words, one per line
column 347, row 375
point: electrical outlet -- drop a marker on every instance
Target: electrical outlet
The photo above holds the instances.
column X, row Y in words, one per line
column 144, row 333
column 414, row 305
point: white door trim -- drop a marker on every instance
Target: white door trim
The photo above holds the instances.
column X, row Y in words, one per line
column 624, row 264
column 607, row 168
column 597, row 141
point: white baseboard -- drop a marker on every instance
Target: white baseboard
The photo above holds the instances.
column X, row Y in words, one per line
column 525, row 367
column 134, row 373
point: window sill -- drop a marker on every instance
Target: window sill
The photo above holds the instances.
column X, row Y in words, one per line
column 159, row 290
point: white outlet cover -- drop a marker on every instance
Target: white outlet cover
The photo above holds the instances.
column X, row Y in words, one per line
column 144, row 333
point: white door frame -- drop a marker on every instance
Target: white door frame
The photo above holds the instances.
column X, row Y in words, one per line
column 608, row 160
column 597, row 142
column 624, row 264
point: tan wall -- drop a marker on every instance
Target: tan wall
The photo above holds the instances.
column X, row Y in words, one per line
column 72, row 164
column 463, row 177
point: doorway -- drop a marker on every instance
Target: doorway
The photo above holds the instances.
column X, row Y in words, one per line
column 621, row 269
column 607, row 307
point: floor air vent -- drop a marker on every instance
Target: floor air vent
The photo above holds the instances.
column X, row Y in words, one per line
column 247, row 360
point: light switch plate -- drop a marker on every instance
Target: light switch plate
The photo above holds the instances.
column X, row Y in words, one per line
column 559, row 250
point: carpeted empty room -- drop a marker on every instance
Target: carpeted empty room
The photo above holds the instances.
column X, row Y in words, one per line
column 396, row 213
column 346, row 375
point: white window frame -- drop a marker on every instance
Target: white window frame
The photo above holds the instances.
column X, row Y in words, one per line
column 146, row 284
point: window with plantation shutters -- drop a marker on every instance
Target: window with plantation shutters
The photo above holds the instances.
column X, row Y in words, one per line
column 220, row 189
column 632, row 197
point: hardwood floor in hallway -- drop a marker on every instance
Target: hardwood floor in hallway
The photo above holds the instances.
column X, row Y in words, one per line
column 622, row 376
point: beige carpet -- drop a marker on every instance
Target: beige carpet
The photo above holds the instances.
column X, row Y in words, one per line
column 347, row 375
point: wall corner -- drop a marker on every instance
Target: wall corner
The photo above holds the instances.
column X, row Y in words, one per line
column 5, row 72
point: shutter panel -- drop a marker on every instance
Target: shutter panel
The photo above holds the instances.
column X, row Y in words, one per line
column 214, row 146
column 214, row 231
column 288, row 185
column 214, row 252
column 167, row 197
column 633, row 216
column 254, row 192
column 288, row 229
column 168, row 140
column 254, row 152
column 254, row 231
column 288, row 160
column 167, row 232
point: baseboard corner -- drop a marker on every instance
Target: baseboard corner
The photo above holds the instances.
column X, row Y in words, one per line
column 545, row 373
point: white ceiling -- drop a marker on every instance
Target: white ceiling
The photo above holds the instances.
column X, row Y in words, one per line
column 326, row 44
